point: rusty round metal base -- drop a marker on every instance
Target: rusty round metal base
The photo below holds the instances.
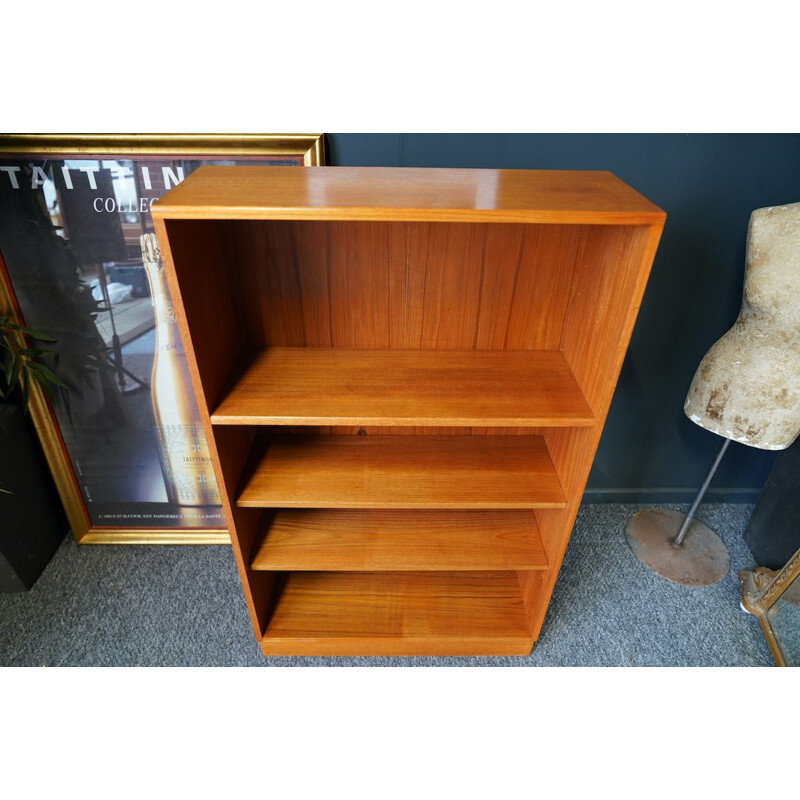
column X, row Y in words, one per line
column 702, row 561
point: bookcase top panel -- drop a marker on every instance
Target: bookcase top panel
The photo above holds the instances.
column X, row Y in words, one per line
column 407, row 194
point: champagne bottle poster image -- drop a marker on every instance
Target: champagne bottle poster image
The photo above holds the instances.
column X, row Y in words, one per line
column 77, row 242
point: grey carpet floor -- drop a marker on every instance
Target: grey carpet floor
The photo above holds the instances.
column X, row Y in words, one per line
column 183, row 606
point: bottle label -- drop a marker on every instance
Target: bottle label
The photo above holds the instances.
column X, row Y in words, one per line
column 188, row 473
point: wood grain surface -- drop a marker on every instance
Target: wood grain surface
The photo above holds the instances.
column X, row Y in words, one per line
column 377, row 540
column 402, row 472
column 609, row 285
column 409, row 305
column 420, row 285
column 314, row 386
column 341, row 613
column 341, row 193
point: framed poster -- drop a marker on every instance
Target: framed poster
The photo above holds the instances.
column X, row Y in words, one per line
column 78, row 261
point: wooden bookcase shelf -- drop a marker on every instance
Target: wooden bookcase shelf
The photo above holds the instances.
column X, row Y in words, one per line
column 403, row 376
column 406, row 613
column 390, row 540
column 326, row 386
column 340, row 471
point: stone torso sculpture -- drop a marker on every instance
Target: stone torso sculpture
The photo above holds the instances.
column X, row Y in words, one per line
column 747, row 387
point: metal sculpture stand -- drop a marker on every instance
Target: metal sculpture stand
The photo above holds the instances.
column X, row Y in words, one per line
column 677, row 547
column 127, row 382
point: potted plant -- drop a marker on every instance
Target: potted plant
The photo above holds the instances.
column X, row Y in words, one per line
column 31, row 523
column 20, row 363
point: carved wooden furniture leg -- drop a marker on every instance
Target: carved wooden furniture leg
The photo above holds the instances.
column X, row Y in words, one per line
column 761, row 589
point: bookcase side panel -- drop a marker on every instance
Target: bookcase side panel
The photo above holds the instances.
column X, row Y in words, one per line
column 201, row 277
column 204, row 286
column 234, row 446
column 606, row 294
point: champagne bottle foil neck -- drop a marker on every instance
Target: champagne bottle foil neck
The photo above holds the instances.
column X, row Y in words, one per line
column 150, row 250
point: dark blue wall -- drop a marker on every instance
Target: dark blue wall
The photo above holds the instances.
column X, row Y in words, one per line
column 708, row 185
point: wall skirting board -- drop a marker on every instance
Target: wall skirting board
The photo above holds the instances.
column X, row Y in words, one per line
column 671, row 495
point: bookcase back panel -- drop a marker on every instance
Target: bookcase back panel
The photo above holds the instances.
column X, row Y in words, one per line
column 406, row 285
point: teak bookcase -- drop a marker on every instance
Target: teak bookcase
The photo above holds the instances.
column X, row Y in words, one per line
column 404, row 374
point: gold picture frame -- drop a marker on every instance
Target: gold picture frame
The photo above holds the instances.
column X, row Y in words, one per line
column 299, row 149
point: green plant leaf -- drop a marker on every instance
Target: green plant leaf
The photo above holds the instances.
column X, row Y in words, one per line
column 16, row 371
column 46, row 374
column 8, row 365
column 26, row 393
column 19, row 364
